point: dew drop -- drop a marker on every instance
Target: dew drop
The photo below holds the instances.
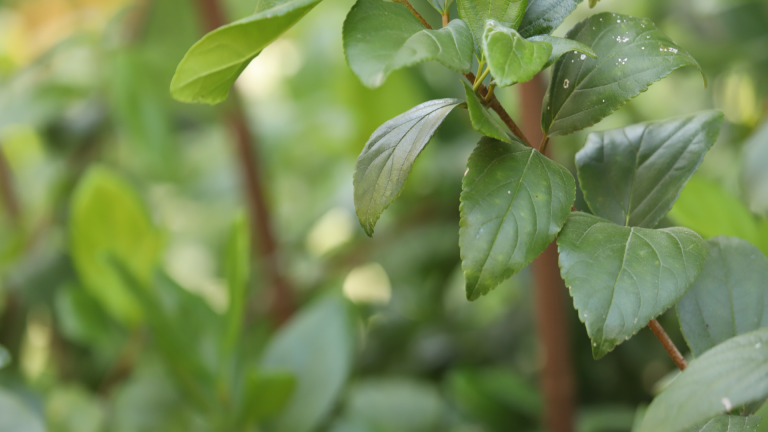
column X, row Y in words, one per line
column 603, row 100
column 618, row 21
column 583, row 56
column 758, row 345
column 575, row 52
column 566, row 83
column 467, row 171
column 727, row 403
column 509, row 192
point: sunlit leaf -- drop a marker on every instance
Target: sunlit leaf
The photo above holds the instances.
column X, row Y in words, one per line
column 620, row 277
column 482, row 119
column 388, row 156
column 632, row 176
column 514, row 201
column 544, row 16
column 561, row 46
column 631, row 55
column 729, row 375
column 476, row 12
column 511, row 58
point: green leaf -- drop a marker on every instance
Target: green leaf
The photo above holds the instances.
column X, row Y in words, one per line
column 5, row 357
column 476, row 12
column 593, row 3
column 511, row 58
column 387, row 158
column 707, row 209
column 16, row 415
column 237, row 268
column 482, row 119
column 754, row 174
column 632, row 54
column 727, row 423
column 514, row 201
column 380, row 37
column 544, row 16
column 441, row 5
column 620, row 278
column 266, row 394
column 729, row 375
column 317, row 347
column 632, row 176
column 729, row 297
column 108, row 218
column 212, row 65
column 561, row 46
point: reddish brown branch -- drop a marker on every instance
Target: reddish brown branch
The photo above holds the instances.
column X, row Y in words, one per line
column 668, row 345
column 415, row 13
column 503, row 115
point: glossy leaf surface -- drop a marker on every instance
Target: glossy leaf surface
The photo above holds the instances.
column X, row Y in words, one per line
column 620, row 277
column 730, row 296
column 511, row 58
column 476, row 12
column 560, row 46
column 544, row 16
column 482, row 119
column 633, row 175
column 388, row 156
column 632, row 54
column 514, row 201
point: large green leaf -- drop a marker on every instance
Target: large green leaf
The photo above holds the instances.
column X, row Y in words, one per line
column 16, row 414
column 482, row 119
column 212, row 65
column 561, row 46
column 755, row 176
column 514, row 201
column 108, row 219
column 730, row 296
column 632, row 54
column 620, row 278
column 266, row 394
column 476, row 12
column 380, row 37
column 511, row 58
column 727, row 423
column 544, row 16
column 388, row 156
column 632, row 176
column 729, row 375
column 707, row 209
column 317, row 347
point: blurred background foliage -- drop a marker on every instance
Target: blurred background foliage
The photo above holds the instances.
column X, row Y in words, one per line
column 129, row 300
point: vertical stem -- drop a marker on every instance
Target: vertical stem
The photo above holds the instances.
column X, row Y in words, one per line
column 282, row 305
column 446, row 18
column 557, row 377
column 669, row 346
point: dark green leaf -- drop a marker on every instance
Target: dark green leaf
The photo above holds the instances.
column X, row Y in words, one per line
column 728, row 423
column 476, row 12
column 729, row 375
column 212, row 65
column 632, row 54
column 380, row 37
column 317, row 347
column 730, row 296
column 388, row 156
column 620, row 277
column 561, row 46
column 482, row 119
column 544, row 16
column 514, row 201
column 5, row 357
column 632, row 176
column 511, row 58
column 755, row 176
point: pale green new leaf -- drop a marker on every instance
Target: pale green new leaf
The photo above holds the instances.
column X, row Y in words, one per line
column 731, row 374
column 593, row 3
column 380, row 37
column 482, row 119
column 388, row 156
column 544, row 16
column 266, row 394
column 561, row 46
column 620, row 278
column 212, row 65
column 728, row 423
column 514, row 201
column 108, row 219
column 510, row 57
column 632, row 54
column 632, row 176
column 730, row 296
column 476, row 12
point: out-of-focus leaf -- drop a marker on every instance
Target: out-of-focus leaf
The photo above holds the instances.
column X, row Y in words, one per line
column 212, row 65
column 237, row 268
column 381, row 37
column 488, row 391
column 108, row 218
column 514, row 201
column 631, row 55
column 632, row 176
column 620, row 277
column 707, row 209
column 544, row 16
column 605, row 418
column 73, row 409
column 82, row 319
column 316, row 346
column 16, row 416
column 441, row 5
column 267, row 393
column 561, row 46
column 729, row 375
column 754, row 174
column 476, row 12
column 5, row 357
column 388, row 156
column 482, row 119
column 729, row 297
column 511, row 58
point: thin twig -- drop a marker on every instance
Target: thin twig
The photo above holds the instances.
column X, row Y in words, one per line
column 503, row 115
column 668, row 345
column 415, row 13
column 446, row 18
